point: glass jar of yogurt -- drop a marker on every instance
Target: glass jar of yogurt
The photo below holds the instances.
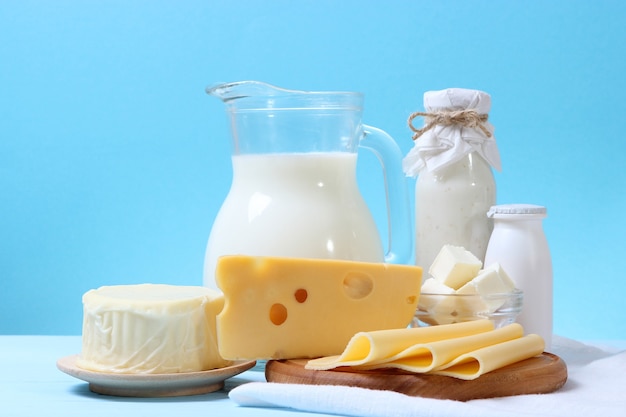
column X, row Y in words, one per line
column 451, row 208
column 453, row 158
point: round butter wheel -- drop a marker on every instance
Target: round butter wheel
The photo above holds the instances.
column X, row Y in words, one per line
column 150, row 328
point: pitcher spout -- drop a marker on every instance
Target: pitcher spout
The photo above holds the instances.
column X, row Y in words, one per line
column 243, row 89
column 257, row 95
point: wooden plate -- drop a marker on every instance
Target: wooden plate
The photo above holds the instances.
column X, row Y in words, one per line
column 153, row 385
column 538, row 375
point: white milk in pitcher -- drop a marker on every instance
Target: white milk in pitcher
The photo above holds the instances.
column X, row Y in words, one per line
column 295, row 205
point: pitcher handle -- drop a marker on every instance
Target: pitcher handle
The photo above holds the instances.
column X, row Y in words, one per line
column 400, row 241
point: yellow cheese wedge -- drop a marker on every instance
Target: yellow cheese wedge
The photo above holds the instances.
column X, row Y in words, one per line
column 371, row 348
column 281, row 308
column 474, row 364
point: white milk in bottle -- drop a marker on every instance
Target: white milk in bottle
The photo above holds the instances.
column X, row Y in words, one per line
column 451, row 208
column 452, row 158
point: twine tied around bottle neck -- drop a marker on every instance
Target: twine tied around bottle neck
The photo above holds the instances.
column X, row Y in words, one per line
column 466, row 118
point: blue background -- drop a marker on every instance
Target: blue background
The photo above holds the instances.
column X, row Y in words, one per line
column 114, row 162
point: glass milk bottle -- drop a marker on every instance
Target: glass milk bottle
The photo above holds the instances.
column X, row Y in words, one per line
column 519, row 245
column 452, row 158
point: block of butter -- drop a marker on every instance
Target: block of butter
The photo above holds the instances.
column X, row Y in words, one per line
column 489, row 281
column 282, row 308
column 436, row 303
column 456, row 271
column 150, row 329
column 454, row 266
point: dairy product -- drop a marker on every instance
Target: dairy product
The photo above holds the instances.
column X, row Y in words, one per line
column 454, row 266
column 438, row 305
column 300, row 205
column 425, row 357
column 281, row 308
column 471, row 365
column 463, row 350
column 491, row 280
column 371, row 348
column 459, row 290
column 451, row 208
column 452, row 156
column 150, row 328
column 520, row 245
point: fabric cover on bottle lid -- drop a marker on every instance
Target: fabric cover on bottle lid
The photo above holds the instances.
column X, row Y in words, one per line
column 442, row 145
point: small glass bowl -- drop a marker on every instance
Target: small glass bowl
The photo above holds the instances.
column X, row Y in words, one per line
column 435, row 309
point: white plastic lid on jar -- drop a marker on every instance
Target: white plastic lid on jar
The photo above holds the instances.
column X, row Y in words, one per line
column 517, row 210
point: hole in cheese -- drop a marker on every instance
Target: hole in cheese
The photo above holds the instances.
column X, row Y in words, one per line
column 411, row 299
column 357, row 285
column 278, row 314
column 301, row 295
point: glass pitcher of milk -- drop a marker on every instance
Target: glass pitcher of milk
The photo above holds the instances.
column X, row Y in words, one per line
column 294, row 190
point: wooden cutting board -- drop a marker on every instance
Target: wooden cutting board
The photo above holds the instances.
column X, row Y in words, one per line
column 538, row 375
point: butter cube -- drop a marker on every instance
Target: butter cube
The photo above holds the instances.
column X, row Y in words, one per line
column 490, row 281
column 454, row 266
column 506, row 279
column 440, row 308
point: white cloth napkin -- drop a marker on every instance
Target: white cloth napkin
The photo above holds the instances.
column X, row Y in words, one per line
column 595, row 387
column 444, row 145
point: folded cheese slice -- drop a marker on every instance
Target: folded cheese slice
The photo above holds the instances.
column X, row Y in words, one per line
column 371, row 348
column 425, row 357
column 474, row 364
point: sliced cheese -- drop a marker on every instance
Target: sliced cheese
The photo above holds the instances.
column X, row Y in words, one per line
column 371, row 348
column 280, row 308
column 462, row 350
column 474, row 364
column 424, row 357
column 150, row 328
column 454, row 266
